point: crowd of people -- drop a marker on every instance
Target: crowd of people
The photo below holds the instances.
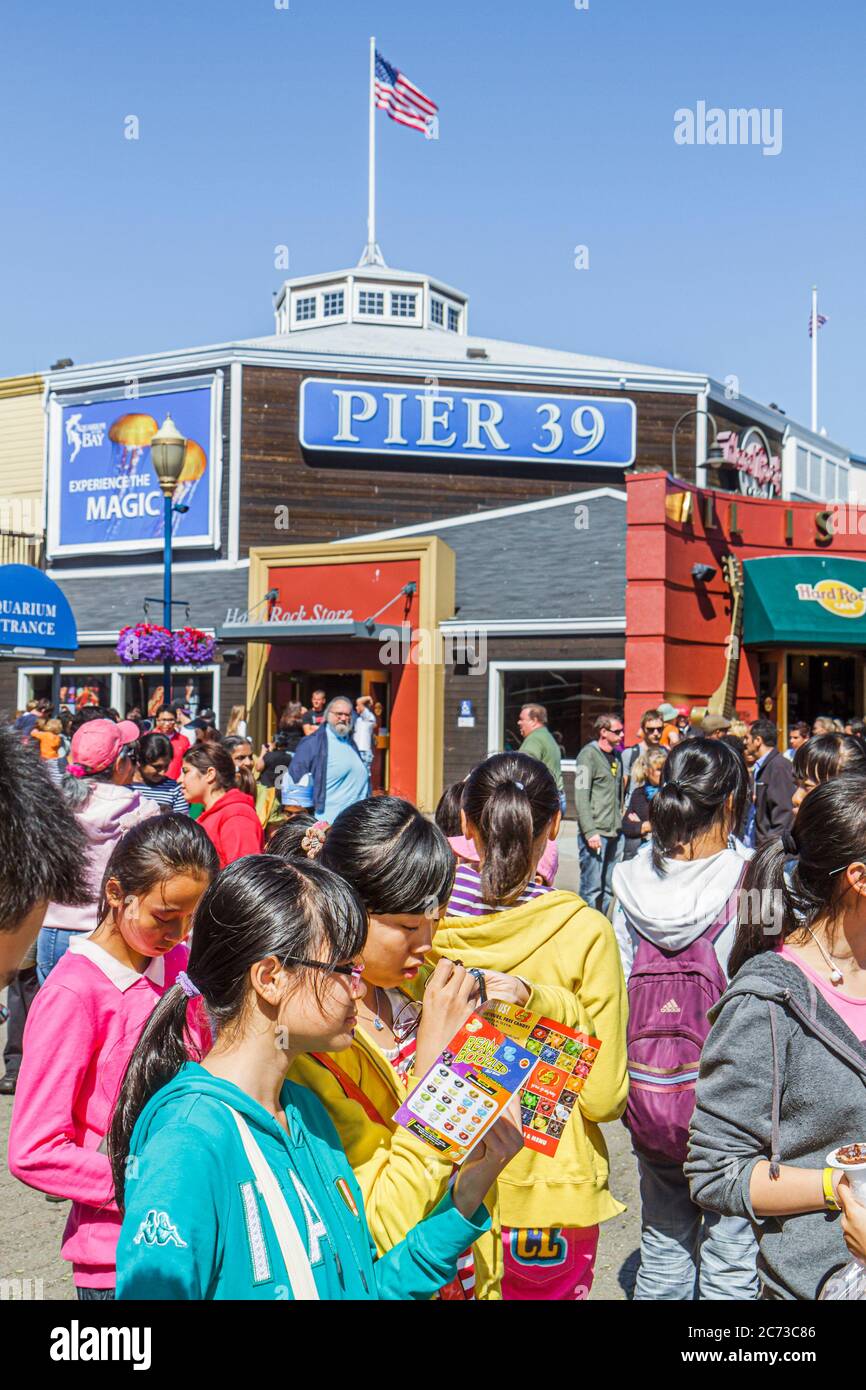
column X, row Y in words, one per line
column 227, row 970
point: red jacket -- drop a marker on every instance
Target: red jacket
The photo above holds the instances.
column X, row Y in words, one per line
column 233, row 826
column 179, row 744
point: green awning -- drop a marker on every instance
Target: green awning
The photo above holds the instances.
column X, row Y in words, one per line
column 804, row 600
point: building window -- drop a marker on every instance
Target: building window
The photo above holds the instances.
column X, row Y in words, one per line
column 453, row 320
column 305, row 308
column 802, row 475
column 371, row 302
column 437, row 312
column 815, row 461
column 403, row 305
column 332, row 303
column 573, row 700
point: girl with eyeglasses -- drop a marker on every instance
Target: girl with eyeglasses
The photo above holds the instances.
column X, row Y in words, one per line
column 402, row 868
column 233, row 1180
column 783, row 1072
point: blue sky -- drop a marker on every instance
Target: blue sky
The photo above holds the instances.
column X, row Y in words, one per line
column 556, row 130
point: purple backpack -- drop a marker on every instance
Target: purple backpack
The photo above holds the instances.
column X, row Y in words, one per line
column 670, row 994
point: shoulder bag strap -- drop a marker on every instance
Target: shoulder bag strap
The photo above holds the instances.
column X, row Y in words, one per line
column 292, row 1248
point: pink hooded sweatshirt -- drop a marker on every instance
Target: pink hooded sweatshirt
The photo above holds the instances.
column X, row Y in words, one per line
column 547, row 864
column 108, row 813
column 80, row 1033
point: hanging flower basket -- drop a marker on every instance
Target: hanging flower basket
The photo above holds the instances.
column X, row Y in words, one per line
column 147, row 642
column 192, row 647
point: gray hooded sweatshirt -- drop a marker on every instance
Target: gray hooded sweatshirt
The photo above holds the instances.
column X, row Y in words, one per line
column 784, row 1079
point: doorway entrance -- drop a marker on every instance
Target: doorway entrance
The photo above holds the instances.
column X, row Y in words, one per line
column 824, row 683
column 298, row 687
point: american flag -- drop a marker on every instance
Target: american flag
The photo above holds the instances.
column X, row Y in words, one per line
column 822, row 319
column 403, row 101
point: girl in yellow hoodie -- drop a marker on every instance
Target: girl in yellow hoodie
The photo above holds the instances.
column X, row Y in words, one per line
column 500, row 920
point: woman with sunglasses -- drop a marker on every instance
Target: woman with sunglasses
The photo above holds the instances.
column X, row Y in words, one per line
column 402, row 868
column 232, row 1179
column 783, row 1071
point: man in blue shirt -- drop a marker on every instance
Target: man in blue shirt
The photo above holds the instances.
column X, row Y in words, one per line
column 339, row 775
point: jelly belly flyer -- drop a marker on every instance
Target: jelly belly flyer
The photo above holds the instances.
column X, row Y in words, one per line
column 563, row 1060
column 466, row 1089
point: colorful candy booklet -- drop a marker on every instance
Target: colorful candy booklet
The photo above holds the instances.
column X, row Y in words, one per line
column 466, row 1089
column 563, row 1061
column 499, row 1050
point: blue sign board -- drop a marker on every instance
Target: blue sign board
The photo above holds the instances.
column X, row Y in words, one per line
column 35, row 616
column 447, row 422
column 103, row 493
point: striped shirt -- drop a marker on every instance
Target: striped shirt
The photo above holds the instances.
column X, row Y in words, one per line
column 168, row 794
column 466, row 899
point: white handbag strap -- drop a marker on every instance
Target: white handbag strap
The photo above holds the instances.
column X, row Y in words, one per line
column 292, row 1248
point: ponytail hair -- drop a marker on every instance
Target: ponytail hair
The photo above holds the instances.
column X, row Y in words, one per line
column 259, row 906
column 704, row 784
column 779, row 898
column 509, row 799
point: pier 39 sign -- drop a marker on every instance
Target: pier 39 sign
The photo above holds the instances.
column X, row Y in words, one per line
column 446, row 422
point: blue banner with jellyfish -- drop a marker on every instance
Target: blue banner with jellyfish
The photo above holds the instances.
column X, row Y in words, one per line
column 107, row 496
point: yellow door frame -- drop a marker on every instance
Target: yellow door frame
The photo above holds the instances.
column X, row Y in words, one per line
column 436, row 566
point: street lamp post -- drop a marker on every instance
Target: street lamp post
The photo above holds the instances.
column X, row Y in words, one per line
column 167, row 452
column 715, row 455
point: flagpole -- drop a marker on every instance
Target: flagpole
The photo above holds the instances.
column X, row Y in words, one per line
column 371, row 205
column 372, row 255
column 815, row 359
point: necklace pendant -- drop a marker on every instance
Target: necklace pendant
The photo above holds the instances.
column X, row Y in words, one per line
column 836, row 977
column 379, row 1025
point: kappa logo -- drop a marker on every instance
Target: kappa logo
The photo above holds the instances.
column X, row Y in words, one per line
column 671, row 1007
column 156, row 1229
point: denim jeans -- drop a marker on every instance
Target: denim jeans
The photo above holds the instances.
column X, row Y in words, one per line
column 596, row 870
column 687, row 1253
column 94, row 1295
column 51, row 944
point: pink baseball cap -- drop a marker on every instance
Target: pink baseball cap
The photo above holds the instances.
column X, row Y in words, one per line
column 96, row 744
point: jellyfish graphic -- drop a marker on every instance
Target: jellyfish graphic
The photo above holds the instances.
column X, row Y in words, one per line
column 130, row 435
column 194, row 468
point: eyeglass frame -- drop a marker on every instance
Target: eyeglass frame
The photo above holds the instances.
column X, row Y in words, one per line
column 356, row 971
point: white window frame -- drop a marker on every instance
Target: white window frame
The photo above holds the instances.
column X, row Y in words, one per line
column 496, row 693
column 366, row 314
column 341, row 312
column 414, row 295
column 306, row 299
column 437, row 302
column 116, row 674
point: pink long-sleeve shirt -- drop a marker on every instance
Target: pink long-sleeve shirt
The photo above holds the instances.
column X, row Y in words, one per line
column 80, row 1034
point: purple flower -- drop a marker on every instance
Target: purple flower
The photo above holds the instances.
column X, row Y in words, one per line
column 144, row 642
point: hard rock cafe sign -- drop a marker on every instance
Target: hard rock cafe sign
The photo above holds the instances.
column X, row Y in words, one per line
column 757, row 472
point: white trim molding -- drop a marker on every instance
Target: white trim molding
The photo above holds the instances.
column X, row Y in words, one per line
column 533, row 627
column 496, row 514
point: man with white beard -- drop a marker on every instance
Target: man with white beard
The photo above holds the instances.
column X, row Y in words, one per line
column 331, row 757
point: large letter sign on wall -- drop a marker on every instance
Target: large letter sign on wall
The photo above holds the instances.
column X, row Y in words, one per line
column 393, row 418
column 103, row 493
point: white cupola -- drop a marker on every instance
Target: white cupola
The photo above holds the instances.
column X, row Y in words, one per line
column 372, row 295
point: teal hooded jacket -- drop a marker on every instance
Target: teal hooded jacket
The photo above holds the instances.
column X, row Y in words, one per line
column 195, row 1226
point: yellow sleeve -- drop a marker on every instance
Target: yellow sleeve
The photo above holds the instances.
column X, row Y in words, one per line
column 603, row 1006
